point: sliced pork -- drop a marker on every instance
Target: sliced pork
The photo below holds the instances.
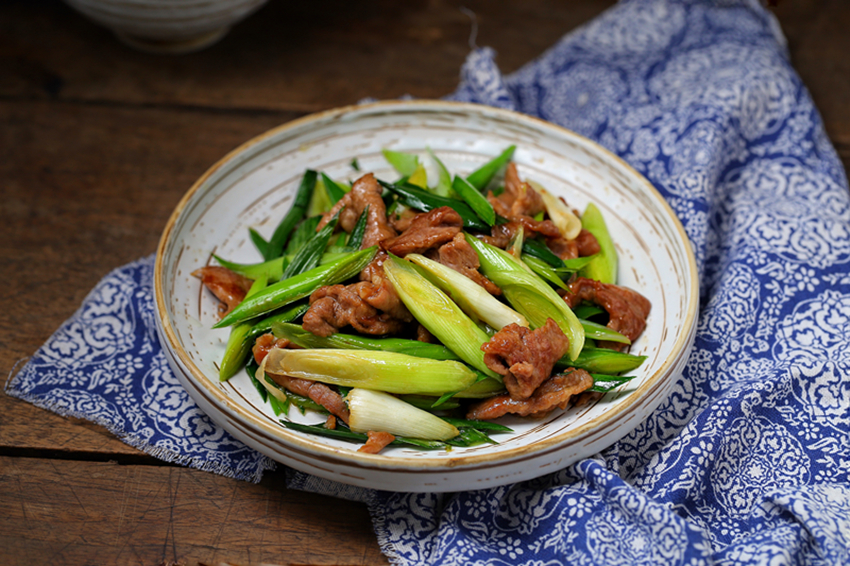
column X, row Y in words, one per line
column 585, row 244
column 553, row 393
column 358, row 305
column 426, row 231
column 463, row 258
column 366, row 192
column 525, row 357
column 376, row 442
column 627, row 309
column 228, row 287
column 318, row 392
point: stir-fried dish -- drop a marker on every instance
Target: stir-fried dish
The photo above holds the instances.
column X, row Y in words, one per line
column 416, row 312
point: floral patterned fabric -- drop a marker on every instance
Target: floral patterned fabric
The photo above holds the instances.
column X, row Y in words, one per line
column 105, row 365
column 748, row 461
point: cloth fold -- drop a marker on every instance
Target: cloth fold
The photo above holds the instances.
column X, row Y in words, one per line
column 748, row 461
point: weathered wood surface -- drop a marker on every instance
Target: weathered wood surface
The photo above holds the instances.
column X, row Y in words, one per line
column 65, row 512
column 97, row 145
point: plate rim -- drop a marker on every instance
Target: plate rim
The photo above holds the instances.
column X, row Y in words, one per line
column 302, row 443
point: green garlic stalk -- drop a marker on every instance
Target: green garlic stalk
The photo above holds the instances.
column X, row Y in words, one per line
column 471, row 297
column 290, row 290
column 383, row 371
column 439, row 314
column 378, row 411
column 528, row 293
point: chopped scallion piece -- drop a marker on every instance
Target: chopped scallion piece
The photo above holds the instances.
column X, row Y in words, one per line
column 544, row 270
column 603, row 383
column 335, row 190
column 439, row 314
column 293, row 216
column 259, row 242
column 604, row 266
column 376, row 410
column 528, row 293
column 271, row 270
column 599, row 332
column 405, row 164
column 476, row 201
column 538, row 249
column 320, row 200
column 383, row 371
column 305, row 232
column 471, row 297
column 482, row 176
column 290, row 290
column 603, row 360
column 444, row 178
column 355, row 239
column 419, row 178
column 306, row 339
column 587, row 310
column 479, row 425
column 311, row 251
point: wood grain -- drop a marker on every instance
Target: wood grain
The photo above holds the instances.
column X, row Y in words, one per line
column 301, row 56
column 88, row 188
column 818, row 41
column 99, row 142
column 61, row 512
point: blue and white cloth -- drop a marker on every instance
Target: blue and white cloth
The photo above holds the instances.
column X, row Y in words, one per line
column 748, row 461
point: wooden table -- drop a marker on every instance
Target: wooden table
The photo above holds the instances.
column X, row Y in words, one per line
column 99, row 142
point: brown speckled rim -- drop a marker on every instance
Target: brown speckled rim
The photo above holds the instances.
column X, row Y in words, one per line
column 650, row 393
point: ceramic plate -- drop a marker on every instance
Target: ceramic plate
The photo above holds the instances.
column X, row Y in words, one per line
column 254, row 185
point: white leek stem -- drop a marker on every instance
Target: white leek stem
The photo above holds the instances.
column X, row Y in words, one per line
column 384, row 371
column 568, row 223
column 471, row 297
column 378, row 411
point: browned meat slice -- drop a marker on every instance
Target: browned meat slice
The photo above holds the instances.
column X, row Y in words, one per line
column 318, row 392
column 424, row 335
column 266, row 342
column 461, row 257
column 230, row 288
column 563, row 248
column 522, row 199
column 359, row 305
column 330, row 422
column 376, row 442
column 365, row 192
column 427, row 230
column 585, row 244
column 401, row 221
column 333, row 307
column 525, row 357
column 501, row 234
column 262, row 345
column 546, row 228
column 380, row 294
column 375, row 267
column 554, row 392
column 626, row 308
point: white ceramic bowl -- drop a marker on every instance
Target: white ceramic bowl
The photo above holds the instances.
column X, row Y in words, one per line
column 167, row 26
column 253, row 187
